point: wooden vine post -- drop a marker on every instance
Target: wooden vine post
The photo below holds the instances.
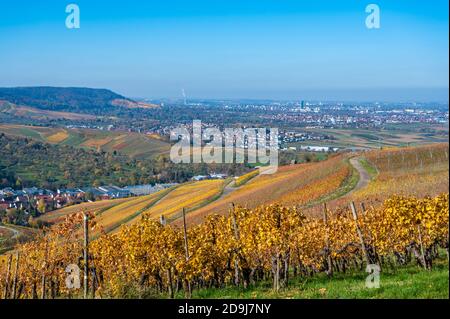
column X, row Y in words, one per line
column 43, row 278
column 363, row 208
column 8, row 272
column 422, row 250
column 327, row 241
column 43, row 283
column 16, row 274
column 186, row 249
column 170, row 284
column 236, row 237
column 360, row 235
column 86, row 255
column 163, row 221
column 94, row 281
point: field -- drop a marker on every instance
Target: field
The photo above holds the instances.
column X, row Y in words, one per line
column 5, row 235
column 109, row 220
column 390, row 135
column 136, row 145
column 409, row 171
column 272, row 251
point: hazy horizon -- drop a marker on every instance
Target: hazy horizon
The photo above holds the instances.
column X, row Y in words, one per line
column 264, row 49
column 419, row 95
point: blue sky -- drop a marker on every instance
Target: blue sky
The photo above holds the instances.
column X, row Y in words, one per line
column 305, row 49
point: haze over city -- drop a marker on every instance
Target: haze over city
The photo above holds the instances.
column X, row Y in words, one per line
column 316, row 50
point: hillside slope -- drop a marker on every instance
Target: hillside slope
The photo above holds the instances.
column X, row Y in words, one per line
column 409, row 171
column 135, row 145
column 37, row 114
column 69, row 99
column 61, row 99
column 299, row 185
column 110, row 214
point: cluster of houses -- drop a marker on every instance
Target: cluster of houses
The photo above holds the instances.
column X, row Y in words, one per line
column 323, row 149
column 210, row 176
column 27, row 197
column 140, row 190
column 33, row 197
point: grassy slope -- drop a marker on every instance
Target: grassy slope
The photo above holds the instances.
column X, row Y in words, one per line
column 347, row 186
column 407, row 171
column 403, row 283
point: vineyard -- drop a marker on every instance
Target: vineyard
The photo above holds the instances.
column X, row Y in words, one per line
column 272, row 242
column 413, row 171
column 111, row 219
column 291, row 185
column 268, row 234
column 109, row 214
column 241, row 180
column 188, row 196
column 58, row 216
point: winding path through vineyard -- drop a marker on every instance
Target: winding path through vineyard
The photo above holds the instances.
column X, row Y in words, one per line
column 228, row 189
column 364, row 177
column 15, row 232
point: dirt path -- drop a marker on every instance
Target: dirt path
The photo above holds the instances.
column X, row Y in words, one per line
column 229, row 188
column 364, row 177
column 15, row 232
column 363, row 180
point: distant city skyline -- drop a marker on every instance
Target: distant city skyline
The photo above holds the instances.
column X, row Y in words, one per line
column 265, row 49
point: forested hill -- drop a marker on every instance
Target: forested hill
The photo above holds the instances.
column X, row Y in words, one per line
column 84, row 100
